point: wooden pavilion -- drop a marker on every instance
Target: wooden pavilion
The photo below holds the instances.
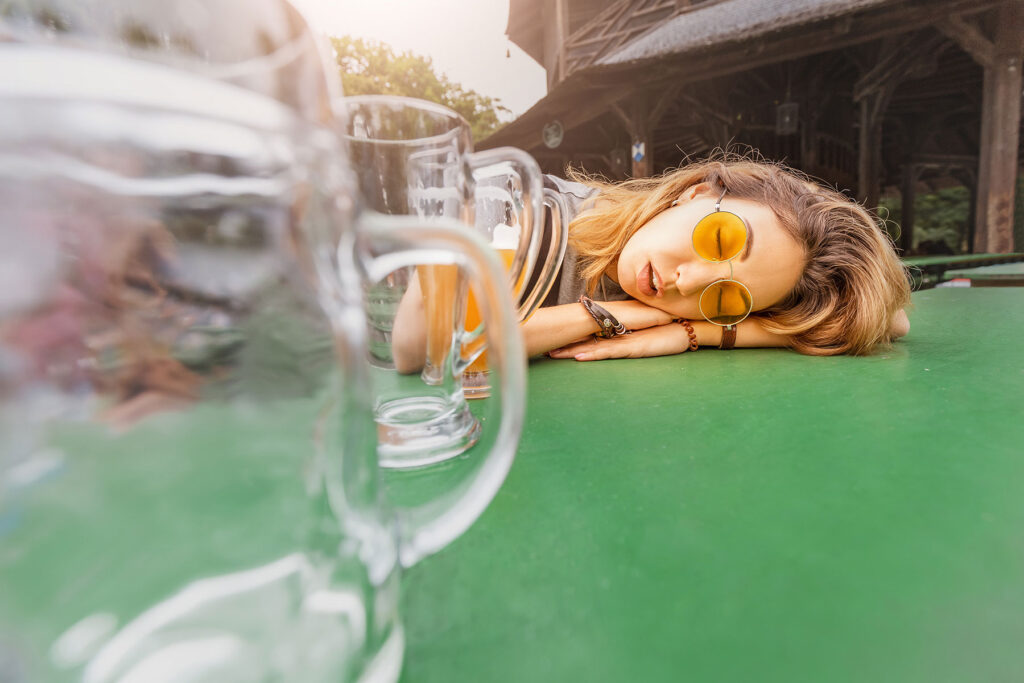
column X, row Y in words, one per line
column 863, row 94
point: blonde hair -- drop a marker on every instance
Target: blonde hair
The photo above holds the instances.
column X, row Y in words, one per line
column 852, row 286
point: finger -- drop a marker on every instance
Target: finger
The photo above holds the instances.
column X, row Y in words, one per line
column 619, row 347
column 570, row 350
column 657, row 341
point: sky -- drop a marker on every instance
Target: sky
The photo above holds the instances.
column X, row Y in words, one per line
column 465, row 39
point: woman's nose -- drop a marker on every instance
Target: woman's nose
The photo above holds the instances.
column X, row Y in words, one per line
column 692, row 277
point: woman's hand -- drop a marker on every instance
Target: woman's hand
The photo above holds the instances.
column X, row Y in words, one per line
column 557, row 326
column 660, row 340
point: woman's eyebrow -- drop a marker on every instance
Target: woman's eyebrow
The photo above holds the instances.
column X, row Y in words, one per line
column 750, row 241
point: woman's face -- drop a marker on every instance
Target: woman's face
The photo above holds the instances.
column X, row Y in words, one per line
column 659, row 267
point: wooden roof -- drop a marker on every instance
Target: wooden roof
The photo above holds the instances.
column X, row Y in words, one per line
column 524, row 27
column 717, row 39
column 732, row 22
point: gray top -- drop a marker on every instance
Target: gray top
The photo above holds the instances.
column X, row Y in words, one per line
column 569, row 285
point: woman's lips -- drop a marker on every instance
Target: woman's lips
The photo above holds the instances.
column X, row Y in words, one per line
column 645, row 281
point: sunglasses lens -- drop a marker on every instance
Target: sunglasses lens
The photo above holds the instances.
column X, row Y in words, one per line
column 726, row 302
column 719, row 236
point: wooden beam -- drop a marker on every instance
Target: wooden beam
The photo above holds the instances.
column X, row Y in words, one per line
column 878, row 68
column 640, row 121
column 1000, row 134
column 969, row 38
column 897, row 62
column 664, row 101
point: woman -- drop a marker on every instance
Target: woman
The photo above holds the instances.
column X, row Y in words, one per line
column 820, row 274
column 805, row 268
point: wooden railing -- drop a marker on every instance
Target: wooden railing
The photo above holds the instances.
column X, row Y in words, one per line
column 618, row 25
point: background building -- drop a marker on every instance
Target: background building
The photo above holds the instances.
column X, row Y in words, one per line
column 863, row 94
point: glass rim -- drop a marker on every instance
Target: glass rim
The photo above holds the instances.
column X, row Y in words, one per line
column 28, row 34
column 746, row 236
column 459, row 124
column 62, row 79
column 704, row 291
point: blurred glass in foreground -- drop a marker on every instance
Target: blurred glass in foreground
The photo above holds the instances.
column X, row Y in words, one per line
column 188, row 472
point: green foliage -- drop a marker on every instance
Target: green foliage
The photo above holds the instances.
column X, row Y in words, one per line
column 940, row 217
column 372, row 68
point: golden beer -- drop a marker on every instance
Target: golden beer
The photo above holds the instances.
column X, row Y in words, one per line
column 473, row 315
column 440, row 287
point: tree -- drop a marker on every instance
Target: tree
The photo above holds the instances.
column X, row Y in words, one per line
column 372, row 68
column 940, row 219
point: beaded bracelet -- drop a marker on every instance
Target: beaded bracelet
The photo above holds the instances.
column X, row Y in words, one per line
column 689, row 331
column 608, row 325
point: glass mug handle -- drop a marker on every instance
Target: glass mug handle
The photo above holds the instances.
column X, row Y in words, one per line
column 531, row 216
column 559, row 210
column 388, row 243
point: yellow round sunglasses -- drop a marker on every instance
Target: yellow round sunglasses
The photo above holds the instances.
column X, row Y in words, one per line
column 720, row 237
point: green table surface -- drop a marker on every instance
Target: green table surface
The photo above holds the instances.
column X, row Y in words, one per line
column 927, row 271
column 1000, row 271
column 753, row 515
column 961, row 259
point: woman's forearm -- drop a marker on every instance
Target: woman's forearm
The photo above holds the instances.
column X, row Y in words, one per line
column 548, row 328
column 556, row 326
column 749, row 334
column 409, row 331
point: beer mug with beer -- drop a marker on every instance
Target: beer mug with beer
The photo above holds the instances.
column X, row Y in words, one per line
column 413, row 157
column 498, row 192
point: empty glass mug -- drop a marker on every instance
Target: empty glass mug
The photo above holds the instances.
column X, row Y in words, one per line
column 188, row 473
column 498, row 192
column 415, row 158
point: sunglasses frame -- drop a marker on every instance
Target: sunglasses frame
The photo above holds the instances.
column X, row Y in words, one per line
column 746, row 236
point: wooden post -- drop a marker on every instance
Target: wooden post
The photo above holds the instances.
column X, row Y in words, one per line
column 972, row 218
column 641, row 143
column 1000, row 121
column 1001, row 128
column 908, row 192
column 813, row 100
column 869, row 150
column 980, row 232
column 809, row 139
column 639, row 121
column 968, row 178
column 562, row 31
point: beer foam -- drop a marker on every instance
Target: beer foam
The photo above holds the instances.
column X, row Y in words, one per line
column 505, row 237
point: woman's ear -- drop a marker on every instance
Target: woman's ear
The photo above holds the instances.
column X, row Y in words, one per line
column 694, row 191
